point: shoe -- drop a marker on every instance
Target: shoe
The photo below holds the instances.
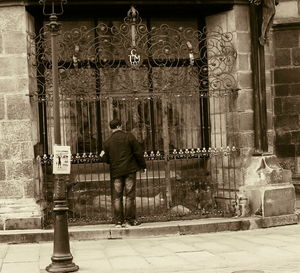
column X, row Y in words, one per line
column 133, row 223
column 118, row 225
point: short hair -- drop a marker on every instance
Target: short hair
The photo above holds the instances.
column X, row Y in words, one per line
column 115, row 123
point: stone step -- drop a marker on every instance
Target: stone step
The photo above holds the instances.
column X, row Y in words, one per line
column 106, row 231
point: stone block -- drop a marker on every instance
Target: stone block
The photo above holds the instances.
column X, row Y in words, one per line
column 287, row 122
column 242, row 18
column 244, row 100
column 282, row 90
column 285, row 150
column 283, row 137
column 282, row 57
column 277, row 106
column 244, row 42
column 15, row 131
column 279, row 200
column 287, row 75
column 245, row 79
column 10, row 151
column 297, row 150
column 18, row 107
column 281, row 220
column 12, row 18
column 14, row 42
column 295, row 56
column 243, row 62
column 8, row 85
column 291, row 105
column 27, row 150
column 295, row 138
column 11, row 189
column 19, row 169
column 286, row 38
column 23, row 85
column 246, row 121
column 23, row 223
column 13, row 66
column 294, row 89
column 271, row 200
column 245, row 140
column 29, row 189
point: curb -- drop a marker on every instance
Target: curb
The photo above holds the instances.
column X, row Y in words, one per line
column 190, row 227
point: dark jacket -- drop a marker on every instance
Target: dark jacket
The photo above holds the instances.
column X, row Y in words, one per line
column 123, row 153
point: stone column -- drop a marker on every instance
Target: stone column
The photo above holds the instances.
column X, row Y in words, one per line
column 18, row 208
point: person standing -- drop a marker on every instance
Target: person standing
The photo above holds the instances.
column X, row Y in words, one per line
column 125, row 157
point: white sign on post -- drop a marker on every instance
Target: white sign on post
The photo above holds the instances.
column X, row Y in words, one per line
column 61, row 159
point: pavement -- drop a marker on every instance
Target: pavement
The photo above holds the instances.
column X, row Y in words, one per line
column 268, row 250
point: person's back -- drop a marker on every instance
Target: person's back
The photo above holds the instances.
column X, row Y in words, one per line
column 125, row 156
column 123, row 153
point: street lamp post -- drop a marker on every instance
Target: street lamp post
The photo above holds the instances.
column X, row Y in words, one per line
column 62, row 259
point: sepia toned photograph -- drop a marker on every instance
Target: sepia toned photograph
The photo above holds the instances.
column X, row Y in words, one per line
column 150, row 136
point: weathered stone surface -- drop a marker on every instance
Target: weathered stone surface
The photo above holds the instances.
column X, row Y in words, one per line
column 12, row 18
column 287, row 150
column 244, row 42
column 287, row 75
column 242, row 18
column 244, row 100
column 21, row 213
column 2, row 171
column 18, row 107
column 283, row 57
column 281, row 220
column 282, row 90
column 2, row 107
column 10, row 151
column 294, row 89
column 246, row 121
column 14, row 131
column 245, row 79
column 14, row 42
column 11, row 189
column 279, row 200
column 13, row 66
column 243, row 62
column 29, row 189
column 27, row 150
column 19, row 169
column 291, row 105
column 23, row 223
column 271, row 200
column 263, row 170
column 287, row 122
column 8, row 85
column 286, row 38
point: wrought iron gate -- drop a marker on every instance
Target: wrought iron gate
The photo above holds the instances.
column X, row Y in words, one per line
column 172, row 88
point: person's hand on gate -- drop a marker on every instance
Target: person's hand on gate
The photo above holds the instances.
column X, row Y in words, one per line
column 102, row 153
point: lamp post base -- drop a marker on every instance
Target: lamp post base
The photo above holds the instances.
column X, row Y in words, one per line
column 62, row 267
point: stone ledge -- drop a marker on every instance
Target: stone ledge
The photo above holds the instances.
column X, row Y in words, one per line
column 20, row 214
column 179, row 228
column 281, row 220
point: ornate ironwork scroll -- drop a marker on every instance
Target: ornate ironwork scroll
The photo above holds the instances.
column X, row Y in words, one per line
column 130, row 58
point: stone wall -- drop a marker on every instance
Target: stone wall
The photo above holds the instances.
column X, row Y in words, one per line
column 16, row 146
column 287, row 84
column 240, row 127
